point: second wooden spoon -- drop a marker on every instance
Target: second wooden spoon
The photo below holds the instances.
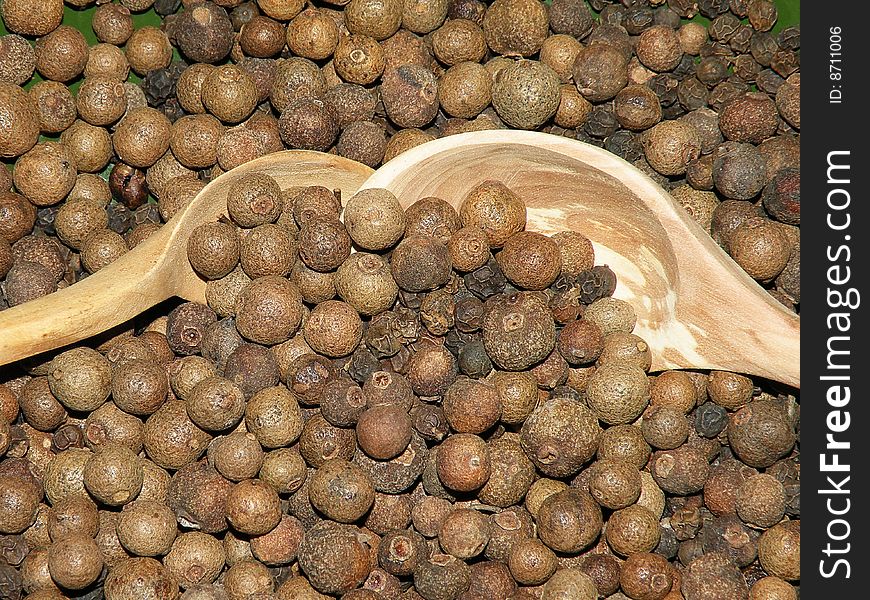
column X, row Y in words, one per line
column 696, row 307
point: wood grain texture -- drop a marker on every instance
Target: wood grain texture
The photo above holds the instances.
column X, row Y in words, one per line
column 158, row 268
column 696, row 307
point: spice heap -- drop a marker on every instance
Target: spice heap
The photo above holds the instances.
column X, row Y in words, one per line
column 711, row 112
column 459, row 410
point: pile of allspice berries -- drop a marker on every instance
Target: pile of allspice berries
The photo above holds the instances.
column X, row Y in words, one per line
column 379, row 403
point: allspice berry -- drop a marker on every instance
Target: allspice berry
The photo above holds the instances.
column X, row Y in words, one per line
column 374, row 219
column 494, row 208
column 102, row 248
column 410, row 95
column 760, row 434
column 253, row 507
column 465, row 90
column 269, row 310
column 195, row 558
column 738, row 170
column 779, row 550
column 32, row 17
column 308, row 124
column 147, row 528
column 19, row 127
column 516, row 26
column 530, row 260
column 194, row 140
column 618, row 392
column 17, row 59
column 55, row 105
column 659, row 48
column 600, row 71
column 463, row 462
column 112, row 23
column 313, row 34
column 383, row 432
column 19, row 504
column 365, row 282
column 559, row 53
column 229, row 93
column 333, row 328
column 527, row 93
column 213, row 249
column 45, row 174
column 730, row 390
column 113, row 475
column 442, row 576
column 750, row 118
column 147, row 49
column 669, row 146
column 324, row 244
column 254, row 199
column 376, row 18
column 359, row 59
column 646, row 576
column 760, row 247
column 531, row 562
column 680, row 471
column 614, row 483
column 101, row 100
column 341, row 490
column 75, row 562
column 17, row 216
column 107, row 60
column 632, row 529
column 637, row 107
column 133, row 577
column 333, row 557
column 215, row 404
column 546, row 439
column 772, row 588
column 713, row 575
column 420, row 263
column 518, row 331
column 90, row 146
column 27, row 281
column 761, row 501
column 457, row 41
column 204, row 34
column 274, row 417
column 62, row 54
column 139, row 386
column 80, row 378
column 569, row 521
column 171, row 439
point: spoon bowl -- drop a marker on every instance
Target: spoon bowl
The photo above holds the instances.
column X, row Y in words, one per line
column 157, row 268
column 696, row 308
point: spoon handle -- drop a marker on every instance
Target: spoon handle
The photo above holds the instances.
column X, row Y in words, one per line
column 85, row 309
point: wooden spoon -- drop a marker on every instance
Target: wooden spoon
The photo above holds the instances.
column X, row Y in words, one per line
column 696, row 307
column 157, row 268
